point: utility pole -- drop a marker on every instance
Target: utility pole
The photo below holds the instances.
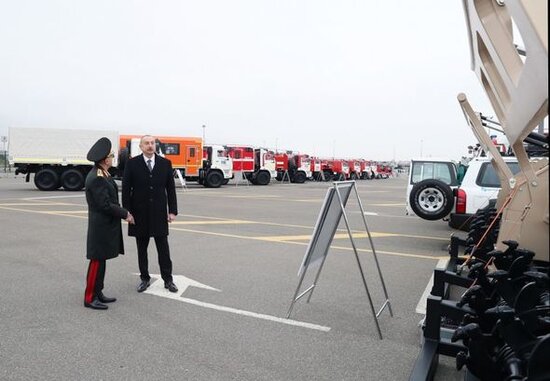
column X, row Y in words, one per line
column 203, row 134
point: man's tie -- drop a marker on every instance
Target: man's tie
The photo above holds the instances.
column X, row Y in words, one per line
column 149, row 165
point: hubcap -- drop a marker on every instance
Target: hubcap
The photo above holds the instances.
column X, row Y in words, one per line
column 431, row 200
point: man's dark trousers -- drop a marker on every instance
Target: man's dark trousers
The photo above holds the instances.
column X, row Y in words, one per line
column 163, row 250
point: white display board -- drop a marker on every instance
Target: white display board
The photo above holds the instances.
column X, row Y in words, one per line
column 325, row 227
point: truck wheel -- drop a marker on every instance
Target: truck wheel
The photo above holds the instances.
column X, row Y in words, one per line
column 213, row 179
column 279, row 176
column 46, row 180
column 225, row 181
column 72, row 180
column 431, row 199
column 328, row 175
column 263, row 178
column 300, row 178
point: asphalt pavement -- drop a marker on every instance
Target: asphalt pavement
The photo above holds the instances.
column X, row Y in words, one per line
column 236, row 252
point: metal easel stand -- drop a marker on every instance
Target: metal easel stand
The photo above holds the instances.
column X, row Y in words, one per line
column 286, row 177
column 310, row 289
column 387, row 300
column 240, row 177
column 181, row 179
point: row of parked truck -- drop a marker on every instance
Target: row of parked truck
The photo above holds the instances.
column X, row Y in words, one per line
column 57, row 158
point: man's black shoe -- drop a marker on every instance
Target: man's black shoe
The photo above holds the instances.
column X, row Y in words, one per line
column 96, row 305
column 105, row 299
column 170, row 286
column 143, row 285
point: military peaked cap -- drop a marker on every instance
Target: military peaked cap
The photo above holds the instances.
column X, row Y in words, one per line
column 100, row 150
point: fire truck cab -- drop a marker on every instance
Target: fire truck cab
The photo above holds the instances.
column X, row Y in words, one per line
column 217, row 167
column 354, row 169
column 384, row 171
column 315, row 167
column 257, row 164
column 365, row 170
column 297, row 166
column 336, row 169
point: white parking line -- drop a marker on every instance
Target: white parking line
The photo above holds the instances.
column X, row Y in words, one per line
column 53, row 197
column 255, row 315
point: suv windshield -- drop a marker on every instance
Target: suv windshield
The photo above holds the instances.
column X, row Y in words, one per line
column 422, row 170
column 488, row 177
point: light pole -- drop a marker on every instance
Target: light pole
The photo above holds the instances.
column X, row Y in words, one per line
column 203, row 134
column 4, row 140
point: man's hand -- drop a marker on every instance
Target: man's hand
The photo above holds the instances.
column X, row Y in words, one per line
column 171, row 217
column 130, row 219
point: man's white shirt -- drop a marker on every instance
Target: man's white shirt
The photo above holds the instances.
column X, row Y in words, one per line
column 152, row 161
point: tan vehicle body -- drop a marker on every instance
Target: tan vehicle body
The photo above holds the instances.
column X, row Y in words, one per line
column 518, row 91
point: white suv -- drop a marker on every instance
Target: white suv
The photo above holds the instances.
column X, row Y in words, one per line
column 439, row 188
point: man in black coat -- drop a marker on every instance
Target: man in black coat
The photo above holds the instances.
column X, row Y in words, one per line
column 104, row 239
column 149, row 193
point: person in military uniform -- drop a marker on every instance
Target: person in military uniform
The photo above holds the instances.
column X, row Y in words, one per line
column 149, row 193
column 104, row 240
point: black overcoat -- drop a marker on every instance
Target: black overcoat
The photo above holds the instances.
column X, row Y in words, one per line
column 149, row 196
column 104, row 239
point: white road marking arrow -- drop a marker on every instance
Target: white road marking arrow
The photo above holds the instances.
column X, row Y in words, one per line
column 182, row 282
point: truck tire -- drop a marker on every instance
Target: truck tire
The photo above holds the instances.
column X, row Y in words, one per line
column 46, row 180
column 328, row 175
column 225, row 181
column 72, row 180
column 300, row 178
column 431, row 199
column 263, row 178
column 214, row 179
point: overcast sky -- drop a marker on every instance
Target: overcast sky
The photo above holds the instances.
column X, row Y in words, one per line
column 370, row 79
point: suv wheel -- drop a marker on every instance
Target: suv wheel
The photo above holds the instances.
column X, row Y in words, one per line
column 431, row 199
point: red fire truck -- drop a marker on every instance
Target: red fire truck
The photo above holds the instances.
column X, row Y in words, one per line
column 354, row 169
column 335, row 169
column 257, row 164
column 296, row 166
column 366, row 172
column 384, row 171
